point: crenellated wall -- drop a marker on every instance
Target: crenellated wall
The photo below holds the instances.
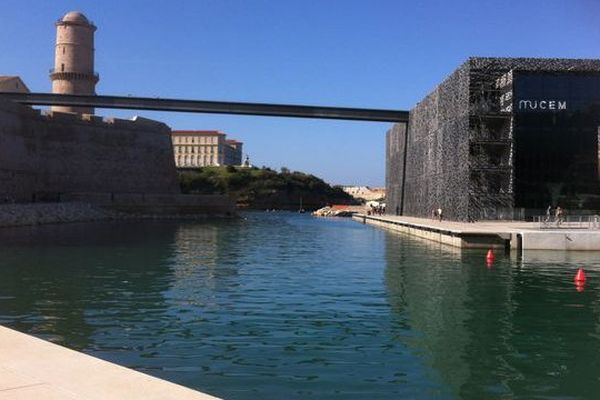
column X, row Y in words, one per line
column 45, row 156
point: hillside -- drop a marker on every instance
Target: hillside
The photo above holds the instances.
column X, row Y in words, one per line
column 264, row 188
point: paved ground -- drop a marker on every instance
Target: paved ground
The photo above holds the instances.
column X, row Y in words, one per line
column 571, row 236
column 31, row 368
column 484, row 226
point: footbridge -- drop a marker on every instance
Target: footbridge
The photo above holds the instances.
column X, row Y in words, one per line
column 211, row 107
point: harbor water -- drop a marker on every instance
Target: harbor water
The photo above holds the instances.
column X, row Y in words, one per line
column 287, row 306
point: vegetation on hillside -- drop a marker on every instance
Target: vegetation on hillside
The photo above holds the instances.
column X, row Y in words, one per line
column 264, row 188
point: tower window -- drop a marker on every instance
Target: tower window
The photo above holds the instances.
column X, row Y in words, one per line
column 62, row 67
column 63, row 50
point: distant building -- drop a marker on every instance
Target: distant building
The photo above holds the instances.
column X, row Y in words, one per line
column 247, row 163
column 365, row 192
column 12, row 84
column 233, row 152
column 194, row 149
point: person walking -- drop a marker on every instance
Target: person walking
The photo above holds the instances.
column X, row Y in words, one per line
column 548, row 214
column 558, row 214
column 563, row 215
column 439, row 214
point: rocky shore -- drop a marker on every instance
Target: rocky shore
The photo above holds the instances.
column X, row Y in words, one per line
column 339, row 211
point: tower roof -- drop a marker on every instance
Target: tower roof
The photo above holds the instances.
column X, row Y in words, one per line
column 75, row 16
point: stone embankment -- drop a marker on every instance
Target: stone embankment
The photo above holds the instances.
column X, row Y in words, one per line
column 28, row 214
column 51, row 213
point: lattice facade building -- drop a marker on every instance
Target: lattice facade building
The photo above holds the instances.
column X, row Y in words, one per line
column 500, row 138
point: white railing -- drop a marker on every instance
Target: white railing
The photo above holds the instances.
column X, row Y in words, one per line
column 568, row 222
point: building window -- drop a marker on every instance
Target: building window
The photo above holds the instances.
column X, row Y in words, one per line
column 62, row 67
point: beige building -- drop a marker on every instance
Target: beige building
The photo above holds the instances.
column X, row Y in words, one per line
column 193, row 149
column 12, row 84
column 73, row 71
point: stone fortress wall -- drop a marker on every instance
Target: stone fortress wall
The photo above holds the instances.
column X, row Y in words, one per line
column 70, row 155
column 45, row 156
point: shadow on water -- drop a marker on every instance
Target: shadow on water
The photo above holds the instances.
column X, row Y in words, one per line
column 516, row 329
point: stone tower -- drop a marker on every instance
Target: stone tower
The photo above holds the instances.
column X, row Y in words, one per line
column 73, row 71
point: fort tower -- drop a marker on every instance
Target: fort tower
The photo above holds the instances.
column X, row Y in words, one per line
column 73, row 71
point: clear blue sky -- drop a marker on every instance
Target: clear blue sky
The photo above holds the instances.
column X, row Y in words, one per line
column 372, row 54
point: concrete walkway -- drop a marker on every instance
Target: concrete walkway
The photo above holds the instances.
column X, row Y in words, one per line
column 514, row 234
column 483, row 226
column 31, row 368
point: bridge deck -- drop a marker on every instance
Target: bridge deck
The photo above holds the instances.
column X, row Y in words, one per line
column 211, row 107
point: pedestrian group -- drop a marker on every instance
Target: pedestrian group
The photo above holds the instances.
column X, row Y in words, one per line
column 559, row 215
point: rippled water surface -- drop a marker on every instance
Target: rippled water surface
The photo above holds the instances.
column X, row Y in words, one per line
column 285, row 306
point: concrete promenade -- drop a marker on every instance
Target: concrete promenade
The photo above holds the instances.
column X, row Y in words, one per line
column 31, row 368
column 517, row 235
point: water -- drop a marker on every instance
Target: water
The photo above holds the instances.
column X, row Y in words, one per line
column 285, row 306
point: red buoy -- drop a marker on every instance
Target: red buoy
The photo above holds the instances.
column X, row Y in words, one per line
column 490, row 256
column 580, row 276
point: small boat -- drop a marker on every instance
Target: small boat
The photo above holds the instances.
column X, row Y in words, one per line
column 300, row 209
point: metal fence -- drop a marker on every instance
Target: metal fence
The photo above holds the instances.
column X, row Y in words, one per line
column 568, row 222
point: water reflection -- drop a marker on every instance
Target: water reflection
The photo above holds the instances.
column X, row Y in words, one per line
column 285, row 306
column 282, row 305
column 68, row 283
column 429, row 292
column 520, row 329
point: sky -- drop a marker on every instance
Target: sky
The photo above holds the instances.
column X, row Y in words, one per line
column 365, row 54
